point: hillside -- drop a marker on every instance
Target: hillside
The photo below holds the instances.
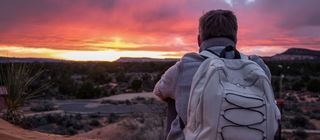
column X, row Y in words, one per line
column 300, row 51
column 297, row 54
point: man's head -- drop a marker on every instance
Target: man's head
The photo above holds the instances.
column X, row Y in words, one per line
column 218, row 23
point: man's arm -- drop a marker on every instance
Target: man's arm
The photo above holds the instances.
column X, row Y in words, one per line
column 165, row 87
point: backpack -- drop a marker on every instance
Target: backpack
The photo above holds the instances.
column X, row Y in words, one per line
column 230, row 99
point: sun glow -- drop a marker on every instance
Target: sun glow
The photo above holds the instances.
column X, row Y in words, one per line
column 115, row 43
column 103, row 55
column 109, row 55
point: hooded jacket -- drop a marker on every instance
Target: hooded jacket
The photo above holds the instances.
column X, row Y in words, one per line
column 175, row 83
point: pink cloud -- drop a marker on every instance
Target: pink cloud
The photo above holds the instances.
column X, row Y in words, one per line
column 154, row 24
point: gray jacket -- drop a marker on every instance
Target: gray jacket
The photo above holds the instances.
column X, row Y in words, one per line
column 175, row 83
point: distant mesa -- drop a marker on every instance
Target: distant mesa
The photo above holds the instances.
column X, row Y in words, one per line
column 297, row 54
column 145, row 59
column 292, row 54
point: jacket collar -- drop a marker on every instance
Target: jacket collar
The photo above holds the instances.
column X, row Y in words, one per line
column 215, row 43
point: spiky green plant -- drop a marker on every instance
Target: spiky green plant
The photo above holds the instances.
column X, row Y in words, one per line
column 17, row 78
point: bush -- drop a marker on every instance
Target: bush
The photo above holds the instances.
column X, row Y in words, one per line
column 299, row 121
column 46, row 106
column 88, row 91
column 136, row 85
column 71, row 131
column 113, row 118
column 139, row 98
column 300, row 133
column 298, row 86
column 94, row 115
column 313, row 85
column 94, row 123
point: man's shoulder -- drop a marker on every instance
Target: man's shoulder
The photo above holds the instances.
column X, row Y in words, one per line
column 191, row 57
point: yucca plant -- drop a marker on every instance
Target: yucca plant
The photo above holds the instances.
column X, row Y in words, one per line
column 17, row 78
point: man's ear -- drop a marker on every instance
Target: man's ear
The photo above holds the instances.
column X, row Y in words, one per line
column 199, row 41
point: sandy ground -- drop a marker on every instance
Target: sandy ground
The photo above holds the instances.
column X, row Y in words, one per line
column 110, row 132
column 113, row 131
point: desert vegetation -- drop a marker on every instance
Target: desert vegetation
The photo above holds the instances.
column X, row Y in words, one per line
column 76, row 84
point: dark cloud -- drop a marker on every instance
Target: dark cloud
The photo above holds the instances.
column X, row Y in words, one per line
column 293, row 13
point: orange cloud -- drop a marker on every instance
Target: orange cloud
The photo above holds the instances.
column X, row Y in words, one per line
column 108, row 29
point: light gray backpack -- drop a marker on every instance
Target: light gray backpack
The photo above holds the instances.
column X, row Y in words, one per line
column 231, row 99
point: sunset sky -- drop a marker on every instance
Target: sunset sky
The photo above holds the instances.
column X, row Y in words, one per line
column 109, row 29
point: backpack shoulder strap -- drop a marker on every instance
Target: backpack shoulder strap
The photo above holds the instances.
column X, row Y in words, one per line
column 209, row 54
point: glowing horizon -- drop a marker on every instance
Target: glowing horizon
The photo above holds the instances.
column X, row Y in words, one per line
column 101, row 30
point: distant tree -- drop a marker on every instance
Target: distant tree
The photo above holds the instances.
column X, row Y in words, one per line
column 299, row 121
column 136, row 85
column 99, row 77
column 305, row 78
column 147, row 83
column 66, row 85
column 301, row 133
column 87, row 91
column 298, row 85
column 122, row 77
column 313, row 85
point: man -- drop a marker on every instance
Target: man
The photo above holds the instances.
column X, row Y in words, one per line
column 217, row 29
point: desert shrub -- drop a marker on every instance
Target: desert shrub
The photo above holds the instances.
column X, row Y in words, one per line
column 78, row 116
column 42, row 121
column 314, row 116
column 94, row 115
column 94, row 122
column 298, row 85
column 113, row 102
column 71, row 131
column 122, row 77
column 46, row 106
column 127, row 102
column 136, row 85
column 300, row 133
column 139, row 98
column 78, row 125
column 64, row 131
column 87, row 90
column 113, row 118
column 313, row 85
column 13, row 117
column 129, row 124
column 66, row 124
column 69, row 122
column 300, row 121
column 148, row 83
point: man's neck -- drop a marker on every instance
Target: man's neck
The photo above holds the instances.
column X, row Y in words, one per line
column 221, row 41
